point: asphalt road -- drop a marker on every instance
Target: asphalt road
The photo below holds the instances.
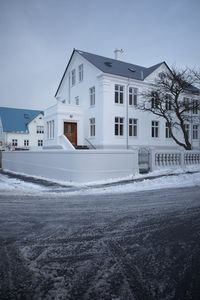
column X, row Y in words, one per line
column 142, row 246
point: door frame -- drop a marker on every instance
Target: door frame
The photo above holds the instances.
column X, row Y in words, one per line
column 76, row 129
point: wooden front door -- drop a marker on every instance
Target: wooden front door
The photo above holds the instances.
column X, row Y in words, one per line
column 70, row 131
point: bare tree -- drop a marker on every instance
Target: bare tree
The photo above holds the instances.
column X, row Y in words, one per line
column 174, row 98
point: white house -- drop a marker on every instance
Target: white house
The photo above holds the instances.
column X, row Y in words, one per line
column 97, row 107
column 21, row 129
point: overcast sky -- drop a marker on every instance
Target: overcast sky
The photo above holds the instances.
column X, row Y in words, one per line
column 37, row 38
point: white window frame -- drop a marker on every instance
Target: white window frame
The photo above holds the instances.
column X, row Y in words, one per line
column 92, row 127
column 186, row 102
column 155, row 129
column 40, row 143
column 80, row 72
column 119, row 94
column 50, row 129
column 14, row 142
column 168, row 102
column 73, row 73
column 195, row 109
column 40, row 129
column 167, row 131
column 133, row 127
column 77, row 100
column 26, row 143
column 195, row 132
column 133, row 94
column 92, row 95
column 154, row 101
column 119, row 126
column 187, row 129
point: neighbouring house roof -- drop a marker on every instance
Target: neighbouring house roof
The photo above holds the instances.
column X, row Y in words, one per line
column 16, row 120
column 115, row 67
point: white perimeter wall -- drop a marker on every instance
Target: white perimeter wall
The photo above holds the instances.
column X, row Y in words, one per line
column 76, row 166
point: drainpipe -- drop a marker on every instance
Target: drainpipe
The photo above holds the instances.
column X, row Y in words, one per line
column 127, row 115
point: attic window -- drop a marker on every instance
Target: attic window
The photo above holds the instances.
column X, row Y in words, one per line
column 132, row 70
column 108, row 63
column 162, row 75
column 26, row 116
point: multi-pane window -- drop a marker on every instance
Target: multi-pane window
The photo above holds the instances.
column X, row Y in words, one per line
column 187, row 129
column 40, row 129
column 92, row 96
column 195, row 107
column 73, row 77
column 77, row 100
column 80, row 72
column 119, row 126
column 154, row 100
column 92, row 127
column 195, row 132
column 154, row 128
column 119, row 94
column 40, row 143
column 167, row 131
column 50, row 129
column 132, row 96
column 168, row 102
column 186, row 102
column 14, row 142
column 133, row 127
column 26, row 143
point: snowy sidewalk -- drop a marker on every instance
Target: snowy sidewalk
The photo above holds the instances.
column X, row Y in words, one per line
column 166, row 178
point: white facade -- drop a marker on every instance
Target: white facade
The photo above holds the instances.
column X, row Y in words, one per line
column 31, row 140
column 116, row 125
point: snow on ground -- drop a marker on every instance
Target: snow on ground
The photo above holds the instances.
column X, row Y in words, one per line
column 181, row 180
column 165, row 178
column 13, row 184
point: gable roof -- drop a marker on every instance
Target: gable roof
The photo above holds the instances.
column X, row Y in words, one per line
column 16, row 120
column 118, row 67
column 113, row 66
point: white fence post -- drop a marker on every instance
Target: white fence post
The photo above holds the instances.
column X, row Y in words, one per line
column 182, row 159
column 152, row 159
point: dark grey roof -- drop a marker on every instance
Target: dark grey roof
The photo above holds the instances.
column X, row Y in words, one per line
column 117, row 67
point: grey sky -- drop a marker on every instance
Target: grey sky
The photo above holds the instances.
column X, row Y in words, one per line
column 37, row 38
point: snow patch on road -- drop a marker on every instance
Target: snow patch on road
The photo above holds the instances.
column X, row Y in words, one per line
column 13, row 184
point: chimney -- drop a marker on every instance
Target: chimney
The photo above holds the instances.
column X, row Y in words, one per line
column 118, row 54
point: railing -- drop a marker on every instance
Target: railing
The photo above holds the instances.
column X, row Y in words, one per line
column 167, row 159
column 91, row 145
column 173, row 159
column 191, row 158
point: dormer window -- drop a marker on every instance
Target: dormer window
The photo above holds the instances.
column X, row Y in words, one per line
column 108, row 63
column 26, row 116
column 132, row 70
